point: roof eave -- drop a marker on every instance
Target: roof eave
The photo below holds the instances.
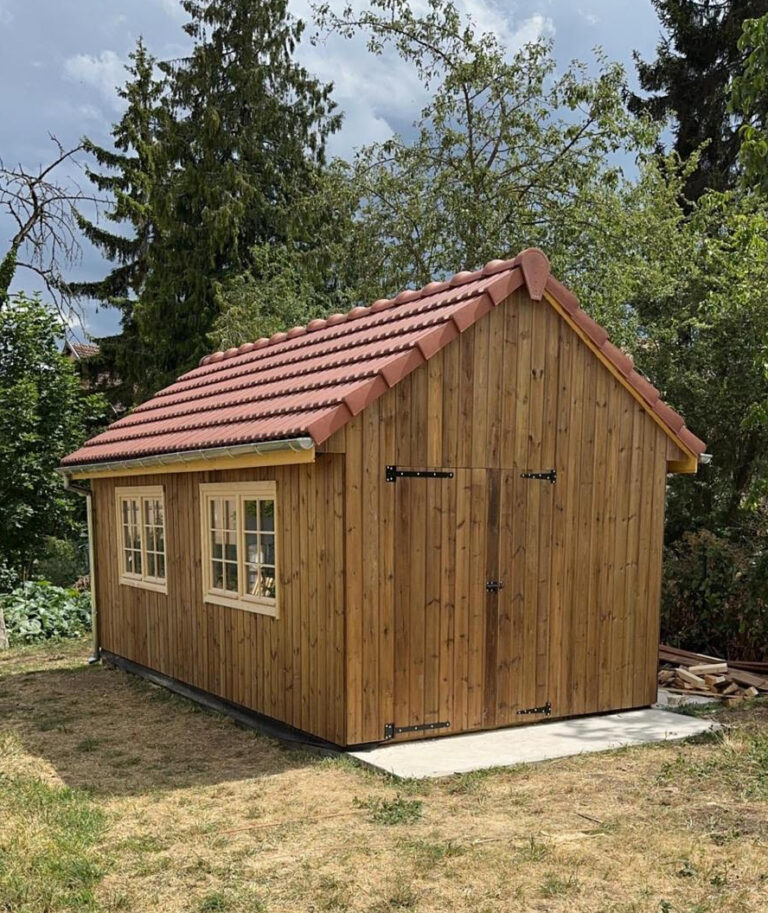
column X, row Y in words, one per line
column 265, row 453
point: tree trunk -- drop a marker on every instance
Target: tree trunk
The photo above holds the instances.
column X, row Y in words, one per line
column 7, row 271
column 3, row 632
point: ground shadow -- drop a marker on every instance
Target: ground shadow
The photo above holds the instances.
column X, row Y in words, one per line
column 109, row 732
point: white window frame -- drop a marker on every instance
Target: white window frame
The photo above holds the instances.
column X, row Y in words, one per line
column 141, row 494
column 239, row 492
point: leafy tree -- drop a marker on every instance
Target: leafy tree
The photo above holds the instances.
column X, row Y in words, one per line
column 504, row 156
column 750, row 91
column 129, row 178
column 691, row 79
column 291, row 282
column 44, row 414
column 243, row 134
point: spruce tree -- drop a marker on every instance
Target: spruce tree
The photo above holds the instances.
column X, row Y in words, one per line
column 244, row 131
column 129, row 178
column 691, row 80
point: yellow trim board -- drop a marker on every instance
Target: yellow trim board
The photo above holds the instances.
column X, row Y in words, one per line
column 243, row 461
column 690, row 463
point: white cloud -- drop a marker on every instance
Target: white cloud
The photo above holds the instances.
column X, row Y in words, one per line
column 173, row 8
column 103, row 73
column 381, row 93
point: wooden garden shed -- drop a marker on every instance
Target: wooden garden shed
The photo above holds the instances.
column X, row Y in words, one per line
column 440, row 513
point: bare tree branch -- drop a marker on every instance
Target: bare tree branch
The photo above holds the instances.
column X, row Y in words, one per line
column 44, row 211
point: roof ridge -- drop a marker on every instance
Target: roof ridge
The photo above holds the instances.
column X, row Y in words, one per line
column 491, row 268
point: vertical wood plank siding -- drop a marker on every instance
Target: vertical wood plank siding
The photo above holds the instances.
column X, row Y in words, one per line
column 384, row 614
column 577, row 621
column 290, row 668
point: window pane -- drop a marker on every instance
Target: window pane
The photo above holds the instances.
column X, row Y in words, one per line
column 149, row 513
column 215, row 513
column 267, row 515
column 217, row 575
column 268, row 582
column 137, row 562
column 129, row 562
column 267, row 548
column 159, row 539
column 136, row 538
column 127, row 537
column 160, row 564
column 230, row 548
column 251, row 509
column 217, row 545
column 124, row 505
column 150, row 564
column 230, row 577
column 252, row 579
column 158, row 513
column 149, row 538
column 252, row 548
column 230, row 514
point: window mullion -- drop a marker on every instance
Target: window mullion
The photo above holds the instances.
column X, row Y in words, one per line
column 142, row 539
column 241, row 575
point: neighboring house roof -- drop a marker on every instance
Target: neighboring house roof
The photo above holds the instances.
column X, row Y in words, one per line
column 80, row 349
column 311, row 380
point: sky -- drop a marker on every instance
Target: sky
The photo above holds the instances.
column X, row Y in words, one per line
column 62, row 59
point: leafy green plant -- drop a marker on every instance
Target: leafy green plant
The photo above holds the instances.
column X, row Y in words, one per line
column 391, row 811
column 61, row 562
column 37, row 611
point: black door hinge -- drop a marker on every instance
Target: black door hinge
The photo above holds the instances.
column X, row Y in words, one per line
column 393, row 474
column 546, row 710
column 493, row 586
column 390, row 730
column 549, row 476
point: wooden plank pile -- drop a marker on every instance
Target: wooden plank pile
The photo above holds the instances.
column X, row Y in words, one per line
column 683, row 672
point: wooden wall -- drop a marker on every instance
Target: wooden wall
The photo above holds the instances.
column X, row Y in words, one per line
column 290, row 668
column 384, row 612
column 577, row 621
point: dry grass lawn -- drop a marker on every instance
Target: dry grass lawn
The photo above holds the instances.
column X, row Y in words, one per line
column 115, row 795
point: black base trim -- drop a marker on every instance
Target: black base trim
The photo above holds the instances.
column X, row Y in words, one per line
column 250, row 719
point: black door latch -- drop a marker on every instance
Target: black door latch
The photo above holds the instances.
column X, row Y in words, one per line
column 493, row 586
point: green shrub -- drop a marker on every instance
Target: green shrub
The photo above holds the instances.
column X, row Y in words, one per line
column 37, row 611
column 715, row 597
column 61, row 562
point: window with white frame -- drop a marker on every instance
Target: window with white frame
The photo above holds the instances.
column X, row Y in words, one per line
column 141, row 537
column 240, row 558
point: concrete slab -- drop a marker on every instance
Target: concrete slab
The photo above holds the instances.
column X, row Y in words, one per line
column 525, row 744
column 670, row 699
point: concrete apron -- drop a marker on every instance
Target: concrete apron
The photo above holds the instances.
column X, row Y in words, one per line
column 448, row 755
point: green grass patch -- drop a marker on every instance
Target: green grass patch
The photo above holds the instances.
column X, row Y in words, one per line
column 391, row 811
column 739, row 761
column 48, row 856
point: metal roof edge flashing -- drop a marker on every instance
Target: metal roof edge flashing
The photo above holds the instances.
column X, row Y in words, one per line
column 296, row 445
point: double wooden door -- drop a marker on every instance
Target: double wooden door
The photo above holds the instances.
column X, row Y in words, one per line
column 472, row 594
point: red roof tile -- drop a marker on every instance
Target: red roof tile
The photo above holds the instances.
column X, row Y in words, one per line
column 81, row 349
column 312, row 380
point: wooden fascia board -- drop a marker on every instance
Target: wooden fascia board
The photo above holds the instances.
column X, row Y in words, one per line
column 690, row 463
column 242, row 461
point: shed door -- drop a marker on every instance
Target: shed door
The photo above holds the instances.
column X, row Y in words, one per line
column 424, row 606
column 441, row 567
column 518, row 648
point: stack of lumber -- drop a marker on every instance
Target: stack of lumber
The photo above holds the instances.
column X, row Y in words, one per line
column 684, row 672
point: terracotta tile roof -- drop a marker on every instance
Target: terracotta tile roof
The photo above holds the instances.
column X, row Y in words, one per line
column 81, row 349
column 312, row 380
